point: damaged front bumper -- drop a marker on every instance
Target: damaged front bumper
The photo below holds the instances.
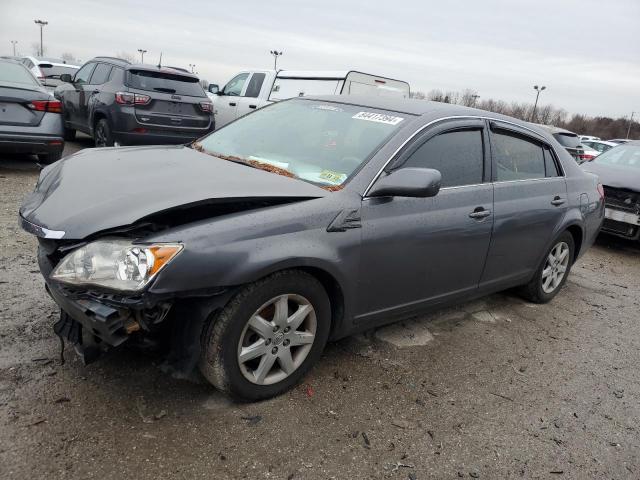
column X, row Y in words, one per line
column 623, row 223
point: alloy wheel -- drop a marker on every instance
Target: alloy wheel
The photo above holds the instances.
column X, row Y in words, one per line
column 277, row 339
column 101, row 136
column 555, row 268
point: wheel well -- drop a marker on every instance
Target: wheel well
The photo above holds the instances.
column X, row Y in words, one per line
column 97, row 117
column 576, row 233
column 334, row 291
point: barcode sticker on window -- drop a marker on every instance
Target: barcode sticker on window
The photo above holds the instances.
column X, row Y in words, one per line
column 378, row 117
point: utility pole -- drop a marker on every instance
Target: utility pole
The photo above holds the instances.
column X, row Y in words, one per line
column 142, row 52
column 275, row 54
column 475, row 99
column 14, row 42
column 41, row 24
column 533, row 114
column 630, row 123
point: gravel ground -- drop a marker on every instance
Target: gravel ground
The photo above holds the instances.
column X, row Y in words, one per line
column 496, row 388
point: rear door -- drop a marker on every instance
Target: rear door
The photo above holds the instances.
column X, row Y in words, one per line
column 251, row 100
column 18, row 88
column 225, row 107
column 530, row 201
column 427, row 250
column 174, row 100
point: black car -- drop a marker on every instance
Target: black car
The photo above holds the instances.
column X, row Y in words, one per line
column 119, row 103
column 307, row 220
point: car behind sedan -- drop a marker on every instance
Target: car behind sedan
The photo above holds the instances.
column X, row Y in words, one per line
column 30, row 118
column 306, row 221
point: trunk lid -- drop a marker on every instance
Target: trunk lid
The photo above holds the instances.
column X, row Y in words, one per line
column 14, row 106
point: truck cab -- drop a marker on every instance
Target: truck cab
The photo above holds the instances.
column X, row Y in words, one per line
column 252, row 89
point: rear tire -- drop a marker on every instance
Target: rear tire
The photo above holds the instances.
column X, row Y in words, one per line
column 252, row 351
column 553, row 271
column 69, row 134
column 48, row 158
column 102, row 135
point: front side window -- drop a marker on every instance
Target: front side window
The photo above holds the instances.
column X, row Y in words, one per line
column 517, row 157
column 457, row 155
column 318, row 142
column 255, row 85
column 84, row 73
column 235, row 86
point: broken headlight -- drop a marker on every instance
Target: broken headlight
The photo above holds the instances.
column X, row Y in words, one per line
column 115, row 264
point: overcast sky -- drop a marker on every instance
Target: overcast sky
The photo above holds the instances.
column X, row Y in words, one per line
column 587, row 52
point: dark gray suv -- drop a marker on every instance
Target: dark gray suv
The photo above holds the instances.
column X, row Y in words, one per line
column 119, row 103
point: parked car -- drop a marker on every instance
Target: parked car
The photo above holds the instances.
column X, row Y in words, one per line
column 119, row 103
column 588, row 153
column 250, row 90
column 599, row 145
column 619, row 172
column 584, row 138
column 48, row 70
column 30, row 118
column 618, row 141
column 309, row 220
column 569, row 140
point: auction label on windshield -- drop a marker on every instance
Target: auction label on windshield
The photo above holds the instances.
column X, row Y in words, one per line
column 378, row 117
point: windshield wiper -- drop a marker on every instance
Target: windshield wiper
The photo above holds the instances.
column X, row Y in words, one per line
column 165, row 90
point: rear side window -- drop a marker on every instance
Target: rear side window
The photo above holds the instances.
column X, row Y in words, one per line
column 458, row 155
column 15, row 73
column 84, row 73
column 100, row 74
column 255, row 85
column 165, row 82
column 517, row 157
column 117, row 75
column 550, row 167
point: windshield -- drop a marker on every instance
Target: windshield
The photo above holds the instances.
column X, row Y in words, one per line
column 319, row 142
column 165, row 82
column 54, row 71
column 570, row 140
column 625, row 156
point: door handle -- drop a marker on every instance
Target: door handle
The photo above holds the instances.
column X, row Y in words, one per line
column 253, row 106
column 479, row 213
column 557, row 201
column 232, row 104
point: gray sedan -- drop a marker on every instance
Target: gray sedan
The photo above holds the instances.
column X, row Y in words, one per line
column 303, row 222
column 30, row 118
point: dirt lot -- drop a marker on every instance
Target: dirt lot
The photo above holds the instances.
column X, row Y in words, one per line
column 497, row 388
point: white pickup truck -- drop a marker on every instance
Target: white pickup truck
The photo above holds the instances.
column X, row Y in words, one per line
column 254, row 89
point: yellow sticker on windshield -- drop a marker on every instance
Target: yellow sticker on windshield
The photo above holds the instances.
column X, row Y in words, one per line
column 333, row 177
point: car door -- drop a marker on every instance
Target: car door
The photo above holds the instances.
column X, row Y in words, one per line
column 249, row 101
column 90, row 92
column 74, row 97
column 421, row 251
column 530, row 200
column 226, row 105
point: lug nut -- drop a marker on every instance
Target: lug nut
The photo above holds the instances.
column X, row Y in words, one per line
column 276, row 328
column 274, row 350
column 287, row 329
column 268, row 341
column 286, row 342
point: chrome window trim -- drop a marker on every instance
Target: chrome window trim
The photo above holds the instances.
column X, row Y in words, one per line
column 461, row 117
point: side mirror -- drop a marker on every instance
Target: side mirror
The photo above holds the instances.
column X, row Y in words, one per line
column 213, row 88
column 66, row 78
column 408, row 182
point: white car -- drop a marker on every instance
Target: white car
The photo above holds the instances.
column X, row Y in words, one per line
column 48, row 70
column 254, row 89
column 597, row 146
column 588, row 138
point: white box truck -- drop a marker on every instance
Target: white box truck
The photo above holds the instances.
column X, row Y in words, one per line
column 250, row 90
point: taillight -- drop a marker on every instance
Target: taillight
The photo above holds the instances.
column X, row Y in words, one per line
column 206, row 107
column 126, row 98
column 601, row 191
column 51, row 106
column 585, row 157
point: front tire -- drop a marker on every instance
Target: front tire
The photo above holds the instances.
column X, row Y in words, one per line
column 267, row 337
column 553, row 271
column 102, row 135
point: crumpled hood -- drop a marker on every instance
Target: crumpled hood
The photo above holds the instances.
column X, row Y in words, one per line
column 100, row 189
column 614, row 177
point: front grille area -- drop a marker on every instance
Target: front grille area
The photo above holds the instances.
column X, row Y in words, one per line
column 620, row 228
column 622, row 199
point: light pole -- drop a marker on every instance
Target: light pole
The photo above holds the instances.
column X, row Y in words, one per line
column 192, row 66
column 142, row 52
column 275, row 54
column 535, row 105
column 41, row 23
column 475, row 99
column 630, row 123
column 14, row 42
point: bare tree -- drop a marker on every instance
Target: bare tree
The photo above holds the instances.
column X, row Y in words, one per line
column 35, row 49
column 69, row 58
column 435, row 96
column 469, row 98
column 126, row 56
column 418, row 95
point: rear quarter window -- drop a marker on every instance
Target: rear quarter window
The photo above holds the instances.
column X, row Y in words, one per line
column 165, row 82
